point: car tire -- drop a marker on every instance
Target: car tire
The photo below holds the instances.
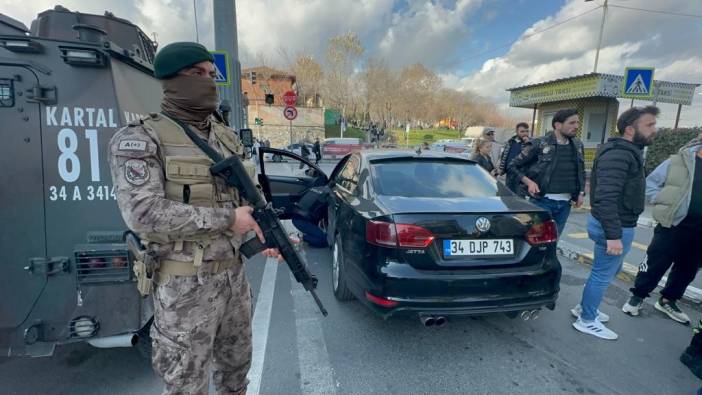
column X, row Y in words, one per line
column 341, row 290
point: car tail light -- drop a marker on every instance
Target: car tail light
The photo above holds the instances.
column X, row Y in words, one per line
column 381, row 233
column 380, row 301
column 413, row 236
column 388, row 234
column 545, row 232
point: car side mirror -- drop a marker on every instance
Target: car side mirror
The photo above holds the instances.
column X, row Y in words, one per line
column 246, row 136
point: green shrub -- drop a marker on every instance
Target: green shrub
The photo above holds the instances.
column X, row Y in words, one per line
column 667, row 142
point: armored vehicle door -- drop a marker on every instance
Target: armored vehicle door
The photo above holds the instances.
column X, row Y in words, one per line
column 25, row 269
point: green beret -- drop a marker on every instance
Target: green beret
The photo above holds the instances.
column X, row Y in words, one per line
column 176, row 56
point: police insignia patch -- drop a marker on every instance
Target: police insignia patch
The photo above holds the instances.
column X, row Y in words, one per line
column 136, row 171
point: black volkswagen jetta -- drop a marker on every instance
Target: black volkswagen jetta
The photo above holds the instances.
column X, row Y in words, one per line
column 429, row 233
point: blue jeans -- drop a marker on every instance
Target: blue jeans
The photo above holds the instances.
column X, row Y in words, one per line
column 559, row 209
column 311, row 233
column 604, row 267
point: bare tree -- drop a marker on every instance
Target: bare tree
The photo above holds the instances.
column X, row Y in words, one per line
column 308, row 78
column 342, row 56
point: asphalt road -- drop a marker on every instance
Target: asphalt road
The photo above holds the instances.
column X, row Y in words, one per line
column 297, row 351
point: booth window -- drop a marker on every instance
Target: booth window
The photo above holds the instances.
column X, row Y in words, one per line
column 7, row 97
column 596, row 128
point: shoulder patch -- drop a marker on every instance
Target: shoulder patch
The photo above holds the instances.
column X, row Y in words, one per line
column 136, row 171
column 132, row 145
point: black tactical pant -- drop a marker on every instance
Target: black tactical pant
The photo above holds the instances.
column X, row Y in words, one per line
column 676, row 246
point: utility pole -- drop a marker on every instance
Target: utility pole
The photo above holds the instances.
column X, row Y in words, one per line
column 197, row 31
column 599, row 41
column 226, row 40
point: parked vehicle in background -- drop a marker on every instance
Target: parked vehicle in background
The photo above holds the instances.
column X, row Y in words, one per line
column 457, row 147
column 439, row 145
column 294, row 148
column 468, row 141
column 338, row 147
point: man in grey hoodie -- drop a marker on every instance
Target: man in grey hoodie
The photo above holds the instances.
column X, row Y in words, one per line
column 675, row 188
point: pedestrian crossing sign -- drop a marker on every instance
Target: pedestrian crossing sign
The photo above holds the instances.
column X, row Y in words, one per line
column 638, row 82
column 221, row 64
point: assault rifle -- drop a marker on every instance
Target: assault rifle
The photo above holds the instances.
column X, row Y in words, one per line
column 233, row 172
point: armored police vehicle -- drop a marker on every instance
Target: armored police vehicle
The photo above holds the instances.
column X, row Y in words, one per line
column 66, row 85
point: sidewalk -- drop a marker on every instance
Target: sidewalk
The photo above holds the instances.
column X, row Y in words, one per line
column 575, row 244
column 645, row 219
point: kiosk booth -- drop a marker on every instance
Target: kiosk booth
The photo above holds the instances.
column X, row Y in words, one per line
column 594, row 96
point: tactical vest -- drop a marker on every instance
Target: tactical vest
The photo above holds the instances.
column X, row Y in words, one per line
column 187, row 173
column 676, row 189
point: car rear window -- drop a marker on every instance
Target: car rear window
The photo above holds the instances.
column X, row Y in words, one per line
column 437, row 179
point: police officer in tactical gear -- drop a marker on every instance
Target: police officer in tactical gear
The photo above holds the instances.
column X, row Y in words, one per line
column 194, row 225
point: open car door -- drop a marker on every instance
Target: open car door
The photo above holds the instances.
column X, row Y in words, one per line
column 286, row 182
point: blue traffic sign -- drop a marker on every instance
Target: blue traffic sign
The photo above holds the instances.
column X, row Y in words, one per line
column 221, row 63
column 638, row 82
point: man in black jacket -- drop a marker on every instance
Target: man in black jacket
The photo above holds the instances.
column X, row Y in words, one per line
column 317, row 149
column 617, row 189
column 551, row 168
column 510, row 151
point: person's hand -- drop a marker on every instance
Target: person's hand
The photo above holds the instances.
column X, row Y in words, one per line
column 532, row 187
column 614, row 247
column 580, row 201
column 244, row 222
column 273, row 253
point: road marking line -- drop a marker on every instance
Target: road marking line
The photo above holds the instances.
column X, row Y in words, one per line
column 260, row 325
column 640, row 246
column 582, row 235
column 316, row 373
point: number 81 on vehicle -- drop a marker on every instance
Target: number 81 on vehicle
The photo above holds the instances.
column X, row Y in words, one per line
column 487, row 247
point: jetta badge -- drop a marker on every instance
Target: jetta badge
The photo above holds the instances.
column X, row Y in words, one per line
column 482, row 224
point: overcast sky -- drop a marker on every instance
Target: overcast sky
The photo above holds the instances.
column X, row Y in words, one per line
column 485, row 46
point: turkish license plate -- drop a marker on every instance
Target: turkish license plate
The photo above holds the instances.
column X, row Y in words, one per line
column 486, row 247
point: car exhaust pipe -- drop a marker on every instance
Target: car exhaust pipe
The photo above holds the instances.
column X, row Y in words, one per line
column 534, row 314
column 128, row 340
column 440, row 321
column 525, row 315
column 427, row 320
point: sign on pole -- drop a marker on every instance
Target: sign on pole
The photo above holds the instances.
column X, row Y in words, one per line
column 221, row 64
column 290, row 98
column 290, row 113
column 638, row 82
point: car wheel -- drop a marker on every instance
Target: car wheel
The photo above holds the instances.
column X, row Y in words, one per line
column 341, row 290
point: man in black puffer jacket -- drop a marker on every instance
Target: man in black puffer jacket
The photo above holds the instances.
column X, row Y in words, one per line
column 617, row 190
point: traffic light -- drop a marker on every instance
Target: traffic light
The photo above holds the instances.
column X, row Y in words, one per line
column 258, row 121
column 269, row 98
column 252, row 77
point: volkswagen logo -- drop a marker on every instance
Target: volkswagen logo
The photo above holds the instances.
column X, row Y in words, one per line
column 482, row 224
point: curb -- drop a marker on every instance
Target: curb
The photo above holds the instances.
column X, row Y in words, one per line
column 628, row 272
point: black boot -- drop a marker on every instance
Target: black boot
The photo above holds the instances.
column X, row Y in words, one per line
column 692, row 356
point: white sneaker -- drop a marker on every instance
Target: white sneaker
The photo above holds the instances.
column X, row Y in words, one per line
column 578, row 309
column 633, row 306
column 595, row 328
column 671, row 309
